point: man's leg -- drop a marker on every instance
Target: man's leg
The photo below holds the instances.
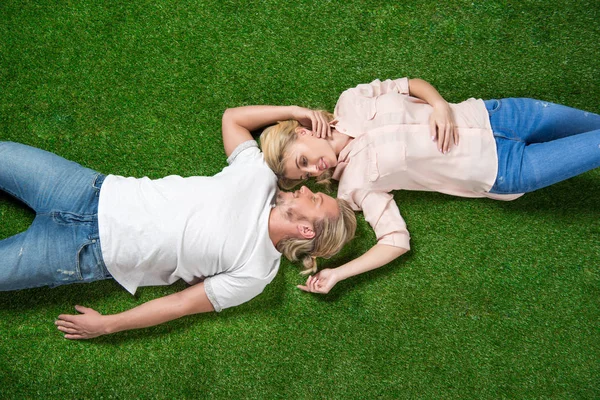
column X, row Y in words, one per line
column 44, row 181
column 62, row 245
column 55, row 250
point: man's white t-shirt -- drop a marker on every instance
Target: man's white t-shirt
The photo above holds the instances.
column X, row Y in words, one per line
column 154, row 232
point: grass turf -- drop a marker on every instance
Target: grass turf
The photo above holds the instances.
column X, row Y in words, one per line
column 495, row 300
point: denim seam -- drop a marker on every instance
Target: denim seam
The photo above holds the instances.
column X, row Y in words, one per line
column 55, row 217
column 501, row 135
column 78, row 263
column 97, row 186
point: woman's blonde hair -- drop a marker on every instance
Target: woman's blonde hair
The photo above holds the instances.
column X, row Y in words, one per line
column 331, row 233
column 275, row 142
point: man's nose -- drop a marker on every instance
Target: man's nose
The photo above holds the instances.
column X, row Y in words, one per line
column 304, row 190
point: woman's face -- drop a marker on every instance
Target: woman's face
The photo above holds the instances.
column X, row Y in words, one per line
column 308, row 156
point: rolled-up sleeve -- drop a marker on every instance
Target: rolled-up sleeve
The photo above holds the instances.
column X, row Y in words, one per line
column 382, row 213
column 378, row 88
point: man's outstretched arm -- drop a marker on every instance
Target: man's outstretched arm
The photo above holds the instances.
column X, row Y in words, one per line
column 89, row 323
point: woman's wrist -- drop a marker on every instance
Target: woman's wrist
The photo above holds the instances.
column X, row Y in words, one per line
column 440, row 103
column 341, row 273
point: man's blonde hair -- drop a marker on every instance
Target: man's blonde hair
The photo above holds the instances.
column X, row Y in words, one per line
column 275, row 142
column 331, row 233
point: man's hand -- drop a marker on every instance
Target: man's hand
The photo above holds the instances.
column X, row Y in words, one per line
column 441, row 126
column 86, row 325
column 321, row 282
column 317, row 121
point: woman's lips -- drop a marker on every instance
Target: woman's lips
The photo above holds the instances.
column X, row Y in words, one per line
column 322, row 165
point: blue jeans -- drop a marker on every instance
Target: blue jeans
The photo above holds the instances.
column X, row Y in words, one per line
column 62, row 244
column 541, row 143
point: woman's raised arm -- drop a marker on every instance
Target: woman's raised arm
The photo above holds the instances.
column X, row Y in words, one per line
column 239, row 122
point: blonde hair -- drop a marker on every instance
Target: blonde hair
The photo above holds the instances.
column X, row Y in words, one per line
column 275, row 142
column 331, row 233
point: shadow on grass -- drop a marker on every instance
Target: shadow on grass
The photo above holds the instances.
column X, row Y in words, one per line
column 573, row 200
column 578, row 196
column 565, row 203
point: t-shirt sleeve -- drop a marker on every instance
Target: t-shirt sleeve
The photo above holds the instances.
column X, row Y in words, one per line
column 227, row 290
column 246, row 152
column 382, row 213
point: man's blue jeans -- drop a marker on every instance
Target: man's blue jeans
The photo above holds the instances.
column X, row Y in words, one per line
column 62, row 244
column 541, row 143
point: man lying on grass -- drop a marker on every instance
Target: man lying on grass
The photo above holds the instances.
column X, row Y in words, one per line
column 223, row 234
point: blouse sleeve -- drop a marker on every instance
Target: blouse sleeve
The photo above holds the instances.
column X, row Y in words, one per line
column 358, row 104
column 378, row 88
column 381, row 212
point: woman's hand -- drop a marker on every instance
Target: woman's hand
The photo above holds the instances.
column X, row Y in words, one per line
column 441, row 126
column 88, row 324
column 315, row 120
column 321, row 282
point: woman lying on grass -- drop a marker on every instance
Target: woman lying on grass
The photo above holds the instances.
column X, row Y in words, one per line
column 401, row 134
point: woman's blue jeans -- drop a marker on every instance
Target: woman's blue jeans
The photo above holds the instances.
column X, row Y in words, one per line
column 541, row 143
column 62, row 244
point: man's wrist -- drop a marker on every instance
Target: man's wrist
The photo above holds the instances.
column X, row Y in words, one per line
column 109, row 324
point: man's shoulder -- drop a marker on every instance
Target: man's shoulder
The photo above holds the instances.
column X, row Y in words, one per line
column 245, row 152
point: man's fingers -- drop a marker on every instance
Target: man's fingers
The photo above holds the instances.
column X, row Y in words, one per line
column 74, row 336
column 67, row 330
column 64, row 323
column 82, row 309
column 66, row 317
column 302, row 287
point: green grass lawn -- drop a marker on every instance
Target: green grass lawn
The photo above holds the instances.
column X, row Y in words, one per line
column 495, row 300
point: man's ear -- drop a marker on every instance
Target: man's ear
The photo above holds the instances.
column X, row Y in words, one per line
column 306, row 230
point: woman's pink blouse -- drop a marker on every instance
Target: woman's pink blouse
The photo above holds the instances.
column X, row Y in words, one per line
column 392, row 149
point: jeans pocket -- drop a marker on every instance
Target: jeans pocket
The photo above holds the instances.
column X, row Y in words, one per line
column 88, row 262
column 493, row 106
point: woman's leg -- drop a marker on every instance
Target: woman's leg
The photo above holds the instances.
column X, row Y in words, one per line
column 536, row 121
column 540, row 144
column 525, row 168
column 62, row 245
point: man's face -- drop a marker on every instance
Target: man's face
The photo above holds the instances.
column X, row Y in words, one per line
column 304, row 205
